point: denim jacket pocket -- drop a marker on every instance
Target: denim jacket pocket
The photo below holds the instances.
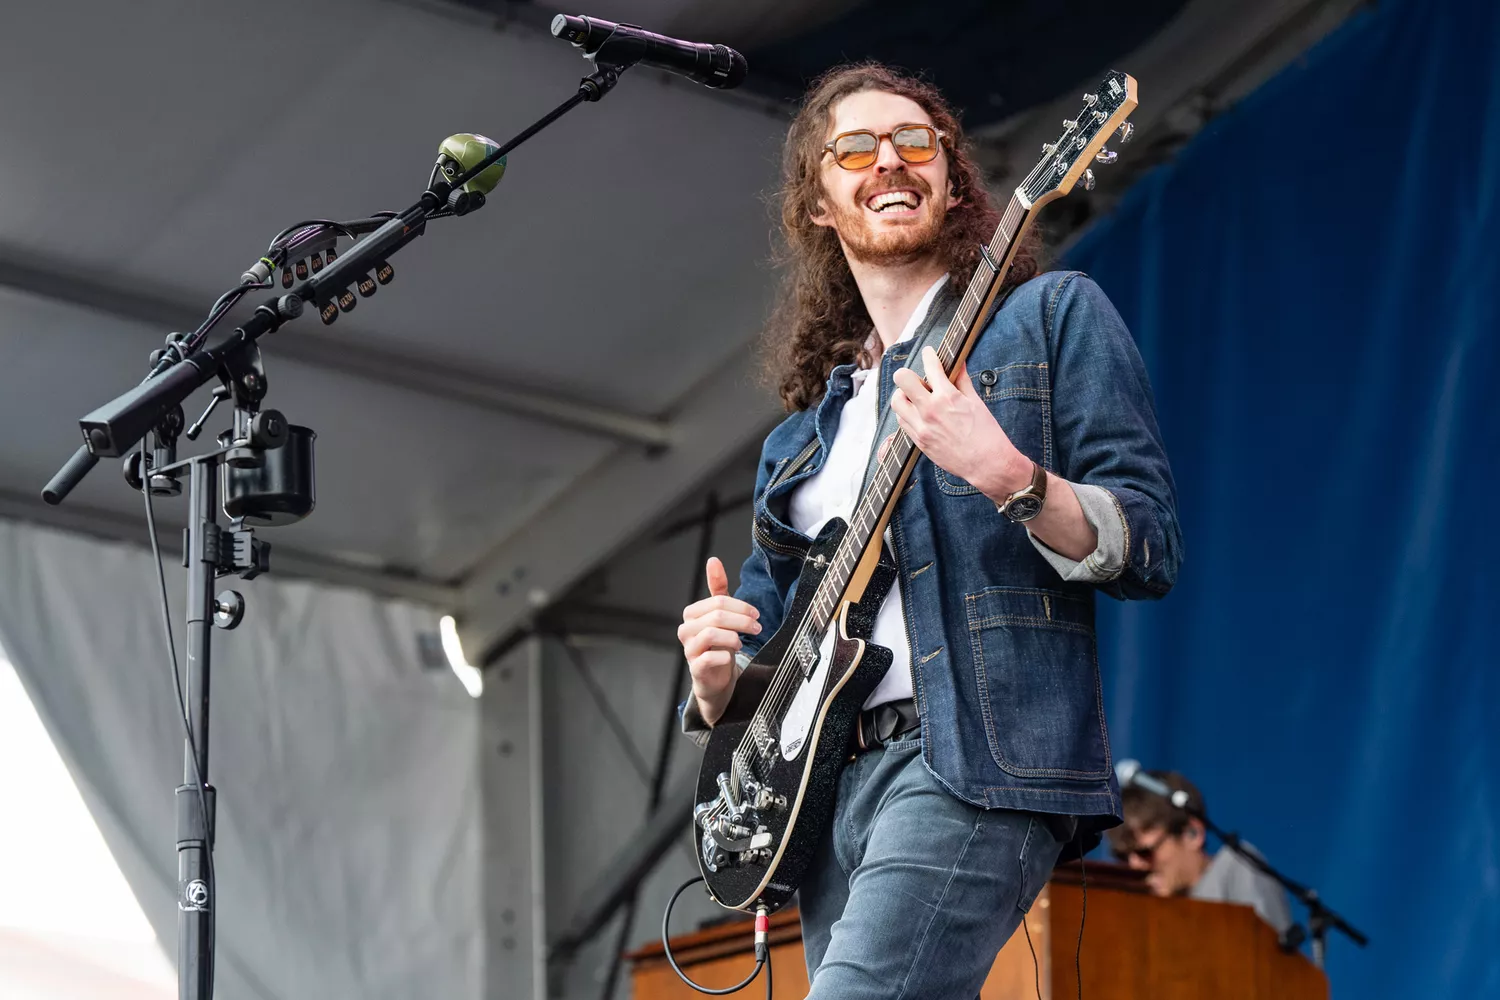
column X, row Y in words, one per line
column 1037, row 672
column 1020, row 397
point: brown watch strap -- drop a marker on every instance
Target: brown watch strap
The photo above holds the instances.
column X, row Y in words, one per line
column 1036, row 488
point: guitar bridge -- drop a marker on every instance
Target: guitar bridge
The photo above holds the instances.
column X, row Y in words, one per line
column 733, row 831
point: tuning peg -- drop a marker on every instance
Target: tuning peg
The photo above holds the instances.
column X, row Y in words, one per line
column 1069, row 124
column 1106, row 155
column 1125, row 131
column 1089, row 100
column 1087, row 180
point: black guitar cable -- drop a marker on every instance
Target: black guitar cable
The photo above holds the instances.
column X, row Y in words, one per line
column 762, row 946
column 1036, row 969
column 1083, row 916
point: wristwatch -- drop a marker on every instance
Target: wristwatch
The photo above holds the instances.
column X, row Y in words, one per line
column 1026, row 503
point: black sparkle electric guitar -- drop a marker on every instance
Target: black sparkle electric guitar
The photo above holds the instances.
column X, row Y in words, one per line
column 766, row 785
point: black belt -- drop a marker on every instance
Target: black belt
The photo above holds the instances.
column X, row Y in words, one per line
column 883, row 723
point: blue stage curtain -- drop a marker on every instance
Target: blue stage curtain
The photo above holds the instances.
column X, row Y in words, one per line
column 1313, row 282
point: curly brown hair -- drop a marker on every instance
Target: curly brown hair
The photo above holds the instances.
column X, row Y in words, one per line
column 820, row 320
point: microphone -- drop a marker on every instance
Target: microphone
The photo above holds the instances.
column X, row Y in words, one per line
column 1130, row 772
column 461, row 153
column 716, row 66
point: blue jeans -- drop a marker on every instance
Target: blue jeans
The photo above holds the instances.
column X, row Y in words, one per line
column 914, row 891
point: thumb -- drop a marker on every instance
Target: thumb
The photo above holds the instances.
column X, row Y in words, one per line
column 718, row 580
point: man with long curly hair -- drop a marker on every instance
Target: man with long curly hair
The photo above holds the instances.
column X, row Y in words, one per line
column 982, row 753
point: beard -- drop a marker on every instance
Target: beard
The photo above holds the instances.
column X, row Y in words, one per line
column 919, row 238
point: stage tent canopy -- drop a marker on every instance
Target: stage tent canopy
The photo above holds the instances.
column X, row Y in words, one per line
column 542, row 379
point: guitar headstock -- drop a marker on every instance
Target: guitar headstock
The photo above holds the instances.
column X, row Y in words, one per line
column 1066, row 161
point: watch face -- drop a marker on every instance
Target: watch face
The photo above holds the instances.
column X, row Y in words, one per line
column 1023, row 508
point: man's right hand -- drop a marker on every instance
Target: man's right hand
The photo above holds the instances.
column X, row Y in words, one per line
column 710, row 636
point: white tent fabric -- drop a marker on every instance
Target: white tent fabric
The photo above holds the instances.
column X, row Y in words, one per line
column 36, row 966
column 349, row 840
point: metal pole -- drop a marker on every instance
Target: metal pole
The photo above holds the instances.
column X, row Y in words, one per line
column 537, row 804
column 195, row 890
column 669, row 739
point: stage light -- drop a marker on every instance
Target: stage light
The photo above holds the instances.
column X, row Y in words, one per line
column 472, row 678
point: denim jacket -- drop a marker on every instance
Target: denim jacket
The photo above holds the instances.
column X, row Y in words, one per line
column 1004, row 657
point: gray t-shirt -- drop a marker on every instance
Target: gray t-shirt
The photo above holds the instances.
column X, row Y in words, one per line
column 1231, row 879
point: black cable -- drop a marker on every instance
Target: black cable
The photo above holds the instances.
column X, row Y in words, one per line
column 762, row 958
column 1036, row 970
column 221, row 309
column 306, row 223
column 176, row 352
column 308, row 229
column 1083, row 916
column 187, row 726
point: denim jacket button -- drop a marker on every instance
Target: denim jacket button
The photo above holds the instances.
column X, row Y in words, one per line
column 988, row 377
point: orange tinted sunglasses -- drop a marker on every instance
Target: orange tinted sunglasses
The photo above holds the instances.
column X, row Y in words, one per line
column 858, row 149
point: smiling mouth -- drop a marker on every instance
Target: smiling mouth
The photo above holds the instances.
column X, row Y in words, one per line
column 893, row 202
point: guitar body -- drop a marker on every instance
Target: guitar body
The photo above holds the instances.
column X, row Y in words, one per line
column 802, row 783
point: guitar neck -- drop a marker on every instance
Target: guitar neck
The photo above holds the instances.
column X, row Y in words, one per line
column 859, row 551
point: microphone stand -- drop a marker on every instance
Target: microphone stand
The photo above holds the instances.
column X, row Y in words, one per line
column 1319, row 916
column 154, row 407
column 113, row 429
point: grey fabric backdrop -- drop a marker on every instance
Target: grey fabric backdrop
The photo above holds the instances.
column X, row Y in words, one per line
column 349, row 814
